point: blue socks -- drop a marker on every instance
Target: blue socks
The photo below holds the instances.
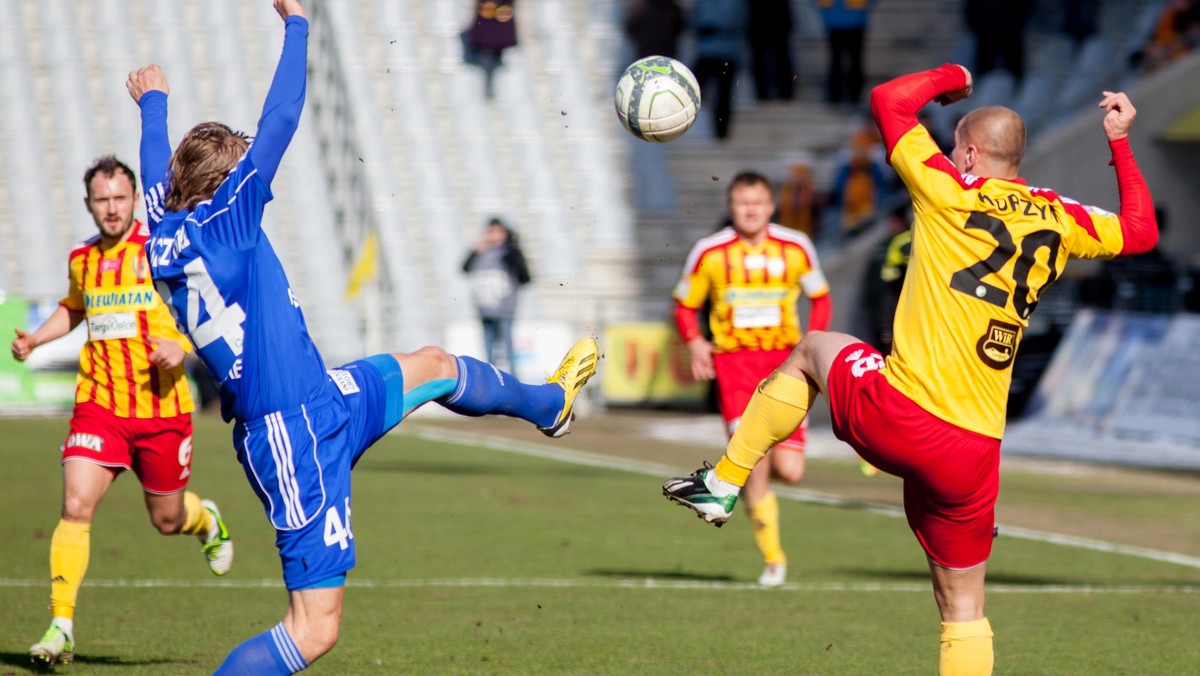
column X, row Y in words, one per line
column 483, row 389
column 271, row 652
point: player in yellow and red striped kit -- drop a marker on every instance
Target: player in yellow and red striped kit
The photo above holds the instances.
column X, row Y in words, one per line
column 985, row 245
column 752, row 274
column 132, row 402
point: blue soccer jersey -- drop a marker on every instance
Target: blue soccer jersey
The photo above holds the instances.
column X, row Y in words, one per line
column 216, row 268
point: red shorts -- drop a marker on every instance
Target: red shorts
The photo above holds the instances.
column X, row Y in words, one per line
column 951, row 475
column 158, row 450
column 738, row 375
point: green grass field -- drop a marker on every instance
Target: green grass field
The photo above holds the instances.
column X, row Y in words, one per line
column 472, row 560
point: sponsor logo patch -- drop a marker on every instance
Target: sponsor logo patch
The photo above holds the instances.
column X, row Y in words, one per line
column 112, row 325
column 90, row 442
column 998, row 346
column 344, row 380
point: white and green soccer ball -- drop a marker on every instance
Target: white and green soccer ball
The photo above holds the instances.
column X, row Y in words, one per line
column 657, row 99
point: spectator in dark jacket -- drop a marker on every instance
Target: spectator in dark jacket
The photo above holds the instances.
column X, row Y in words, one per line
column 770, row 49
column 999, row 30
column 496, row 268
column 492, row 30
column 720, row 27
column 654, row 27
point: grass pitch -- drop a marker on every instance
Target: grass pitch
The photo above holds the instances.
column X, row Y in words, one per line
column 473, row 561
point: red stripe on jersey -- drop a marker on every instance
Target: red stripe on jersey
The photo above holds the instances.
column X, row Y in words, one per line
column 1076, row 211
column 120, row 266
column 155, row 385
column 84, row 247
column 91, row 370
column 99, row 268
column 127, row 357
column 943, row 164
column 97, row 350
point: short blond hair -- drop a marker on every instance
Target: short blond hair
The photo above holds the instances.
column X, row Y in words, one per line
column 996, row 131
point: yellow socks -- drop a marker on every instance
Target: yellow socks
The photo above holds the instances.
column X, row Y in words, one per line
column 70, row 547
column 777, row 408
column 966, row 649
column 198, row 520
column 764, row 520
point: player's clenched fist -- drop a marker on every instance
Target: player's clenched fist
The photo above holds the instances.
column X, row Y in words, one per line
column 22, row 345
column 146, row 79
column 288, row 8
column 1118, row 115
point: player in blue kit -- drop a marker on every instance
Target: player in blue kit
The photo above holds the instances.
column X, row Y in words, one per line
column 298, row 428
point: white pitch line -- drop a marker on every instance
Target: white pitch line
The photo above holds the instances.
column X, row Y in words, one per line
column 628, row 583
column 578, row 457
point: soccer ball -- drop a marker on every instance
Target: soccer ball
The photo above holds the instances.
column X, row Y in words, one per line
column 657, row 99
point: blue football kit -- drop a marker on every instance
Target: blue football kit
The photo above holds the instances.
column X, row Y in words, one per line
column 299, row 427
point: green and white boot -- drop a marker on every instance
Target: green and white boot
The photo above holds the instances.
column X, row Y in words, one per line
column 56, row 647
column 216, row 545
column 696, row 493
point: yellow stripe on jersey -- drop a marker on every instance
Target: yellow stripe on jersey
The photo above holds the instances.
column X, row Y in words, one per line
column 983, row 251
column 752, row 291
column 125, row 318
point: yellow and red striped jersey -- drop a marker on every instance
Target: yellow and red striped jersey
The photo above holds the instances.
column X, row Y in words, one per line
column 983, row 251
column 124, row 315
column 753, row 290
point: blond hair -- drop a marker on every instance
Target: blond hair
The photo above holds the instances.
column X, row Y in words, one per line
column 201, row 162
column 997, row 131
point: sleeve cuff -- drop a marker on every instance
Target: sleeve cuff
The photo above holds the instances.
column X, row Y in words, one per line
column 1120, row 150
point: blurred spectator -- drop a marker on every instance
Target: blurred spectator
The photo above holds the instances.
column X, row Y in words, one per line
column 496, row 268
column 492, row 30
column 1079, row 19
column 771, row 49
column 846, row 30
column 720, row 28
column 999, row 30
column 1176, row 33
column 857, row 191
column 654, row 27
column 798, row 199
column 885, row 278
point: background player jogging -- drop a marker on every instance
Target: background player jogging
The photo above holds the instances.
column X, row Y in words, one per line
column 985, row 245
column 133, row 407
column 298, row 428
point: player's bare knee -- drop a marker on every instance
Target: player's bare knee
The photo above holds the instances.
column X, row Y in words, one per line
column 167, row 524
column 444, row 363
column 77, row 509
column 316, row 636
column 791, row 475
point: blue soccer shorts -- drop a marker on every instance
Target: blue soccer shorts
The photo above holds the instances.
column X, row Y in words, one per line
column 298, row 461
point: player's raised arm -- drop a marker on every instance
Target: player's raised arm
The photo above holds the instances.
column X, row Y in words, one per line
column 149, row 89
column 1139, row 227
column 894, row 104
column 285, row 99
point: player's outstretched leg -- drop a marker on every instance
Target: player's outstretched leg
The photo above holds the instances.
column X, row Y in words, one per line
column 56, row 647
column 483, row 389
column 575, row 369
column 711, row 498
column 216, row 544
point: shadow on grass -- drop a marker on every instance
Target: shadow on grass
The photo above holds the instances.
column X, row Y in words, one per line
column 22, row 662
column 661, row 575
column 993, row 578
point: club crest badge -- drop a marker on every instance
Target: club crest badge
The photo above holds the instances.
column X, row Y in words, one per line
column 998, row 346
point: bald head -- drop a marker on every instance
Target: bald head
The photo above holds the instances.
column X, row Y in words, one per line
column 998, row 136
